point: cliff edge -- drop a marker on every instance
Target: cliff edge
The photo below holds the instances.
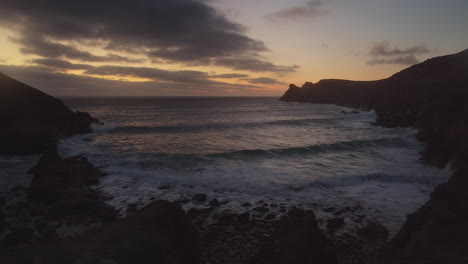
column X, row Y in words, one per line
column 31, row 121
column 431, row 96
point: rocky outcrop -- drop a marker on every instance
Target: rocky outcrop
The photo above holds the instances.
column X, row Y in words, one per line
column 64, row 186
column 297, row 239
column 158, row 233
column 431, row 96
column 437, row 232
column 32, row 121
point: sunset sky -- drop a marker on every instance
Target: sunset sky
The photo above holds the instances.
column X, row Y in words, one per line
column 219, row 47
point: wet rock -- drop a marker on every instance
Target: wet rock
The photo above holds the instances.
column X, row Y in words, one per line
column 335, row 223
column 194, row 211
column 164, row 187
column 373, row 230
column 227, row 216
column 131, row 208
column 296, row 240
column 329, row 209
column 244, row 217
column 182, row 201
column 199, row 197
column 246, row 204
column 214, row 202
column 18, row 235
column 270, row 216
column 296, row 211
column 94, row 260
column 64, row 186
column 273, row 205
column 261, row 209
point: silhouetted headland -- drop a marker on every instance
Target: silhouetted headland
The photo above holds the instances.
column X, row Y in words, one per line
column 431, row 96
column 32, row 121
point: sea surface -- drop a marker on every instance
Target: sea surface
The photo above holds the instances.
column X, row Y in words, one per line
column 248, row 149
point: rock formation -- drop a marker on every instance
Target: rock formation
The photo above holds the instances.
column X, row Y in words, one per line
column 32, row 121
column 431, row 96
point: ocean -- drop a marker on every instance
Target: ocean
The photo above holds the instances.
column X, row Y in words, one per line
column 249, row 149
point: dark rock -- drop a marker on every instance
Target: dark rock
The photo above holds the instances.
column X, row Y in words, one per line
column 261, row 209
column 227, row 216
column 373, row 230
column 32, row 121
column 243, row 217
column 270, row 216
column 18, row 235
column 94, row 260
column 157, row 233
column 437, row 232
column 273, row 205
column 164, row 187
column 329, row 209
column 246, row 204
column 297, row 240
column 199, row 197
column 182, row 201
column 296, row 211
column 63, row 184
column 199, row 211
column 335, row 223
column 214, row 202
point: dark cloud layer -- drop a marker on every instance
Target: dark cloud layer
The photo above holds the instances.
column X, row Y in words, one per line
column 382, row 53
column 60, row 64
column 405, row 60
column 230, row 75
column 252, row 64
column 57, row 83
column 312, row 9
column 263, row 80
column 182, row 31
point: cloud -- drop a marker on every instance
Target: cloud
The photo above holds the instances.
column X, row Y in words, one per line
column 230, row 75
column 263, row 80
column 382, row 53
column 63, row 84
column 152, row 74
column 253, row 64
column 312, row 9
column 60, row 64
column 383, row 49
column 172, row 31
column 406, row 60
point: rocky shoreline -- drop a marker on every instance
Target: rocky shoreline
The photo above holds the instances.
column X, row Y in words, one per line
column 61, row 215
column 62, row 218
column 432, row 97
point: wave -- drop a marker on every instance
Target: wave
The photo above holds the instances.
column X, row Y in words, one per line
column 350, row 180
column 217, row 126
column 353, row 145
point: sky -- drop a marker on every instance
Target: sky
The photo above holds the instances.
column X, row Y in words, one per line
column 219, row 47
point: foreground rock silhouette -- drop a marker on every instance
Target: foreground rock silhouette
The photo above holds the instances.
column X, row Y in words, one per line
column 32, row 121
column 431, row 96
column 158, row 233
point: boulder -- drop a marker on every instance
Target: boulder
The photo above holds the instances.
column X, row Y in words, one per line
column 64, row 185
column 158, row 233
column 373, row 230
column 297, row 239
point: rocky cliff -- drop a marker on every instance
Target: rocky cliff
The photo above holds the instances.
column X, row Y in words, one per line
column 32, row 121
column 431, row 96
